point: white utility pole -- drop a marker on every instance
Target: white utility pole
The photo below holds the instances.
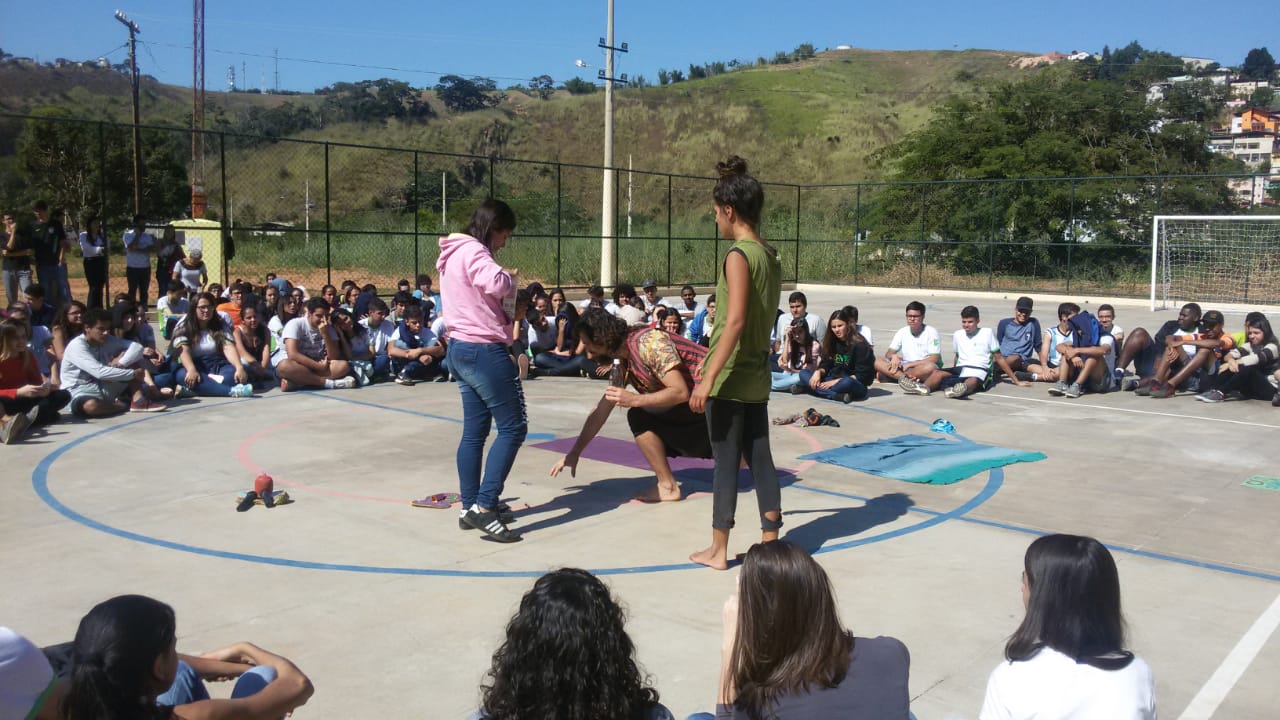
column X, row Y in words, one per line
column 608, row 219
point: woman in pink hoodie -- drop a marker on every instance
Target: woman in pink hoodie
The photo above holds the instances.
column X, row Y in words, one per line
column 474, row 287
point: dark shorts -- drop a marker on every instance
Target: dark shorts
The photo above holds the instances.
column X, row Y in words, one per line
column 683, row 432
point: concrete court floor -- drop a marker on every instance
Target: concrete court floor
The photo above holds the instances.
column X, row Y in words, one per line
column 394, row 612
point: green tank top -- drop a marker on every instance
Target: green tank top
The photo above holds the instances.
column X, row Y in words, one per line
column 745, row 376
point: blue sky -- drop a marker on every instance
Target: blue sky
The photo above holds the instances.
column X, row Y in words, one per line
column 321, row 41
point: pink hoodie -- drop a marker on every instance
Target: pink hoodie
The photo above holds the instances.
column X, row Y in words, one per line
column 472, row 287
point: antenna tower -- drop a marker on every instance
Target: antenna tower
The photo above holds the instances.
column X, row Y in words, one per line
column 198, row 201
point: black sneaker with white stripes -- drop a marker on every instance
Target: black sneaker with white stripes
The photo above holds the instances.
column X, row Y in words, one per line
column 490, row 524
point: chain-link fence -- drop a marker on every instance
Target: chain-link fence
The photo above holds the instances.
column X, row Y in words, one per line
column 321, row 212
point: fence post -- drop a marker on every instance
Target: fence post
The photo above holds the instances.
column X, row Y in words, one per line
column 226, row 213
column 328, row 227
column 668, row 231
column 417, row 189
column 857, row 231
column 920, row 250
column 559, row 224
column 491, row 181
column 991, row 238
column 1071, row 235
column 797, row 263
column 102, row 205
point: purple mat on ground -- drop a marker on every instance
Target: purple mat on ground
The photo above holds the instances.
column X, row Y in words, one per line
column 619, row 452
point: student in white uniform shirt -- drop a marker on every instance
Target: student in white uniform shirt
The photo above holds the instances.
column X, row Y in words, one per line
column 976, row 350
column 914, row 353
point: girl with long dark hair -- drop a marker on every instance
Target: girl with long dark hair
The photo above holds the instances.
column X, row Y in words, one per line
column 207, row 351
column 798, row 352
column 26, row 398
column 786, row 655
column 479, row 311
column 93, row 247
column 848, row 363
column 1247, row 370
column 567, row 655
column 68, row 322
column 1067, row 658
column 563, row 359
column 124, row 659
column 734, row 392
column 253, row 345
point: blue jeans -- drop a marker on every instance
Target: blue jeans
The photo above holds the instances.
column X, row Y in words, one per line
column 208, row 387
column 557, row 365
column 16, row 283
column 784, row 381
column 47, row 275
column 849, row 385
column 491, row 393
column 188, row 687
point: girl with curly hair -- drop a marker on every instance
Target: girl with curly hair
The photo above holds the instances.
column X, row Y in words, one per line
column 568, row 656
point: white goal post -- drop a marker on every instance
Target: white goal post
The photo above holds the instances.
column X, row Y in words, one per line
column 1215, row 258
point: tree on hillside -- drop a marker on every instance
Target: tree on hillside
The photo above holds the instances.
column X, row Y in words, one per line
column 578, row 86
column 697, row 72
column 542, row 86
column 1053, row 123
column 1262, row 97
column 372, row 101
column 803, row 51
column 462, row 95
column 1258, row 64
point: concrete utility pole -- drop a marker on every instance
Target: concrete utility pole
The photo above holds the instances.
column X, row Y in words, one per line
column 608, row 220
column 137, row 132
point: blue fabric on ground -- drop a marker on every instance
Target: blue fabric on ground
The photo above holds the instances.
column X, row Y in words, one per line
column 921, row 459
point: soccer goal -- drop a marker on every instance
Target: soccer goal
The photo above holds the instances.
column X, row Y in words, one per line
column 1215, row 258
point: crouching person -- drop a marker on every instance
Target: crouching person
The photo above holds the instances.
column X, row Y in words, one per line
column 312, row 357
column 103, row 372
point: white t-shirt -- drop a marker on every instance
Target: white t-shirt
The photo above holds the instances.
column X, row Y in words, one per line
column 1108, row 342
column 1052, row 686
column 1188, row 349
column 440, row 329
column 816, row 327
column 189, row 276
column 203, row 346
column 310, row 341
column 631, row 316
column 649, row 306
column 973, row 352
column 912, row 348
column 541, row 340
column 380, row 336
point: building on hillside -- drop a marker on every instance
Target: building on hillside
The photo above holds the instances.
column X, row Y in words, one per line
column 1249, row 191
column 1251, row 148
column 1078, row 55
column 1255, row 120
column 1197, row 63
column 1246, row 88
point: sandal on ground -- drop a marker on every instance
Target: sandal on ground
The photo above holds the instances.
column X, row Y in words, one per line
column 439, row 501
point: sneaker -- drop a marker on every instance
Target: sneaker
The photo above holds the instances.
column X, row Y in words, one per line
column 797, row 389
column 1163, row 390
column 145, row 406
column 444, row 377
column 1212, row 396
column 1130, row 383
column 1059, row 389
column 957, row 391
column 506, row 516
column 242, row 391
column 1275, row 401
column 345, row 383
column 13, row 429
column 1141, row 389
column 182, row 391
column 908, row 385
column 844, row 397
column 1073, row 391
column 286, row 386
column 403, row 380
column 1024, row 376
column 490, row 524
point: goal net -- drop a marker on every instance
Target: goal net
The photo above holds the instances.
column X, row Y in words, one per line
column 1215, row 258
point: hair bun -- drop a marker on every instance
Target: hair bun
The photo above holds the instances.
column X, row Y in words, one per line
column 733, row 166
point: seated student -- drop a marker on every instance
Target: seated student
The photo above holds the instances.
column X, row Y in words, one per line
column 330, row 295
column 1019, row 336
column 650, row 297
column 595, row 298
column 663, row 369
column 101, row 371
column 1143, row 350
column 29, row 689
column 311, row 352
column 1107, row 319
column 567, row 654
column 349, row 296
column 848, row 363
column 206, row 348
column 563, row 359
column 399, row 303
column 416, row 353
column 40, row 311
column 39, row 338
column 786, row 655
column 1085, row 368
column 235, row 300
column 625, row 301
column 253, row 345
column 380, row 334
column 1249, row 369
column 425, row 295
column 27, row 398
column 797, row 353
column 360, row 308
column 914, row 353
column 127, row 324
column 699, row 329
column 1188, row 358
column 541, row 335
column 671, row 322
column 865, row 331
column 286, row 309
column 171, row 308
column 353, row 345
column 125, row 666
column 190, row 273
column 1048, row 367
column 68, row 323
column 798, row 304
column 976, row 352
column 1067, row 658
column 689, row 307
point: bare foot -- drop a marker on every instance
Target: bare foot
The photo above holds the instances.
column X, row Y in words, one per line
column 659, row 494
column 711, row 558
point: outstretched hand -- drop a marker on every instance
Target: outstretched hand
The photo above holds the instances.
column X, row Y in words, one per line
column 568, row 461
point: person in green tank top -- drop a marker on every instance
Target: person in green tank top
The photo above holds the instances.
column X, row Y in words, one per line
column 736, row 378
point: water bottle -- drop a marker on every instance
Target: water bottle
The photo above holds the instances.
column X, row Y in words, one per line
column 618, row 375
